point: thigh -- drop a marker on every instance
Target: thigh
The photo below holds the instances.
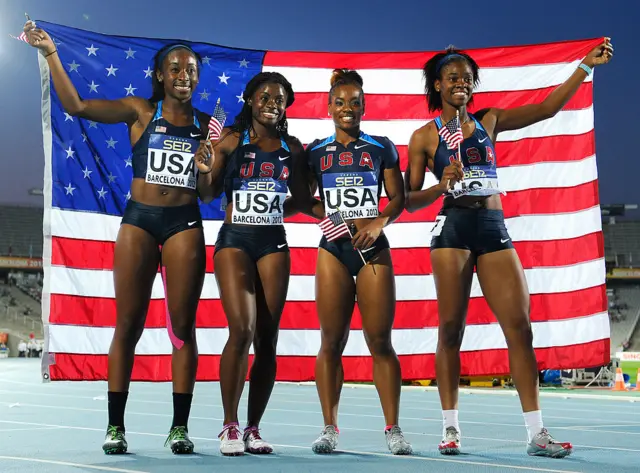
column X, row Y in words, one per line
column 183, row 258
column 453, row 275
column 235, row 275
column 504, row 286
column 135, row 267
column 335, row 296
column 375, row 286
column 272, row 285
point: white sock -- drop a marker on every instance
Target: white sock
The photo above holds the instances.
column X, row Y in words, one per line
column 450, row 419
column 533, row 423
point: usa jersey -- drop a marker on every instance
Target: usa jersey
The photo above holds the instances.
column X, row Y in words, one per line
column 478, row 159
column 257, row 182
column 164, row 153
column 350, row 177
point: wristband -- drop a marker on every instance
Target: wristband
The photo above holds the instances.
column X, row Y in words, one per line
column 585, row 68
column 52, row 52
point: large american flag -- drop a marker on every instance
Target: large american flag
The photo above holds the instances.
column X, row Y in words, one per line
column 551, row 209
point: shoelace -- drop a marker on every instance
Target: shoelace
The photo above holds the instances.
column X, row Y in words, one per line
column 177, row 433
column 114, row 433
column 329, row 430
column 544, row 433
column 252, row 431
column 232, row 432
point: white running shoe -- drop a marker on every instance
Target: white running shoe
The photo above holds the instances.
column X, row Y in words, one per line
column 396, row 441
column 253, row 443
column 231, row 443
column 327, row 442
column 544, row 445
column 450, row 445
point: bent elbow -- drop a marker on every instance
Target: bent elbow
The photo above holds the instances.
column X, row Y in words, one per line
column 549, row 112
column 76, row 109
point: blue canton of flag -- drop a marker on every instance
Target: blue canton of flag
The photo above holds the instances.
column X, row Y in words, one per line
column 91, row 167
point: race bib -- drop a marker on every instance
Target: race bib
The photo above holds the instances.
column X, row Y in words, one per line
column 355, row 194
column 258, row 201
column 170, row 161
column 478, row 181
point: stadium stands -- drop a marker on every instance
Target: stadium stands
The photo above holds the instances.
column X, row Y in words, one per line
column 624, row 310
column 21, row 231
column 622, row 242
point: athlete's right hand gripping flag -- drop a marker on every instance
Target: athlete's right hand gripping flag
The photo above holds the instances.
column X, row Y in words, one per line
column 551, row 208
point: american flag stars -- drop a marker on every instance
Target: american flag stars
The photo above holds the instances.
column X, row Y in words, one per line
column 92, row 165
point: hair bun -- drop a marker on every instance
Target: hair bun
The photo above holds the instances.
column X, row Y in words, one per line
column 345, row 75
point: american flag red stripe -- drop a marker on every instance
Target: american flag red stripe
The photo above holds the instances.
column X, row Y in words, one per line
column 551, row 209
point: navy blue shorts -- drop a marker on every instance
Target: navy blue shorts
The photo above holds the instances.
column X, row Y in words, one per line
column 162, row 222
column 255, row 240
column 480, row 231
column 342, row 249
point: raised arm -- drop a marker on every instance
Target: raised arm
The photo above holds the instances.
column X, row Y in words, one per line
column 300, row 185
column 124, row 110
column 520, row 117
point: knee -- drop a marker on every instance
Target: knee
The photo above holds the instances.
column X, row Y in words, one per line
column 333, row 344
column 241, row 335
column 519, row 332
column 450, row 334
column 379, row 343
column 265, row 344
column 183, row 326
column 129, row 330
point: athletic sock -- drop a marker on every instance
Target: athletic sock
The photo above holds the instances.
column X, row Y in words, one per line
column 533, row 423
column 450, row 419
column 181, row 409
column 117, row 402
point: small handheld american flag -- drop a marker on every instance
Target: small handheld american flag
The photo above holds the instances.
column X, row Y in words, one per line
column 334, row 226
column 21, row 37
column 451, row 132
column 216, row 124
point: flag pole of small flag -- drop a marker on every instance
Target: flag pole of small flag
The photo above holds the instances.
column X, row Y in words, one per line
column 216, row 124
column 333, row 227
